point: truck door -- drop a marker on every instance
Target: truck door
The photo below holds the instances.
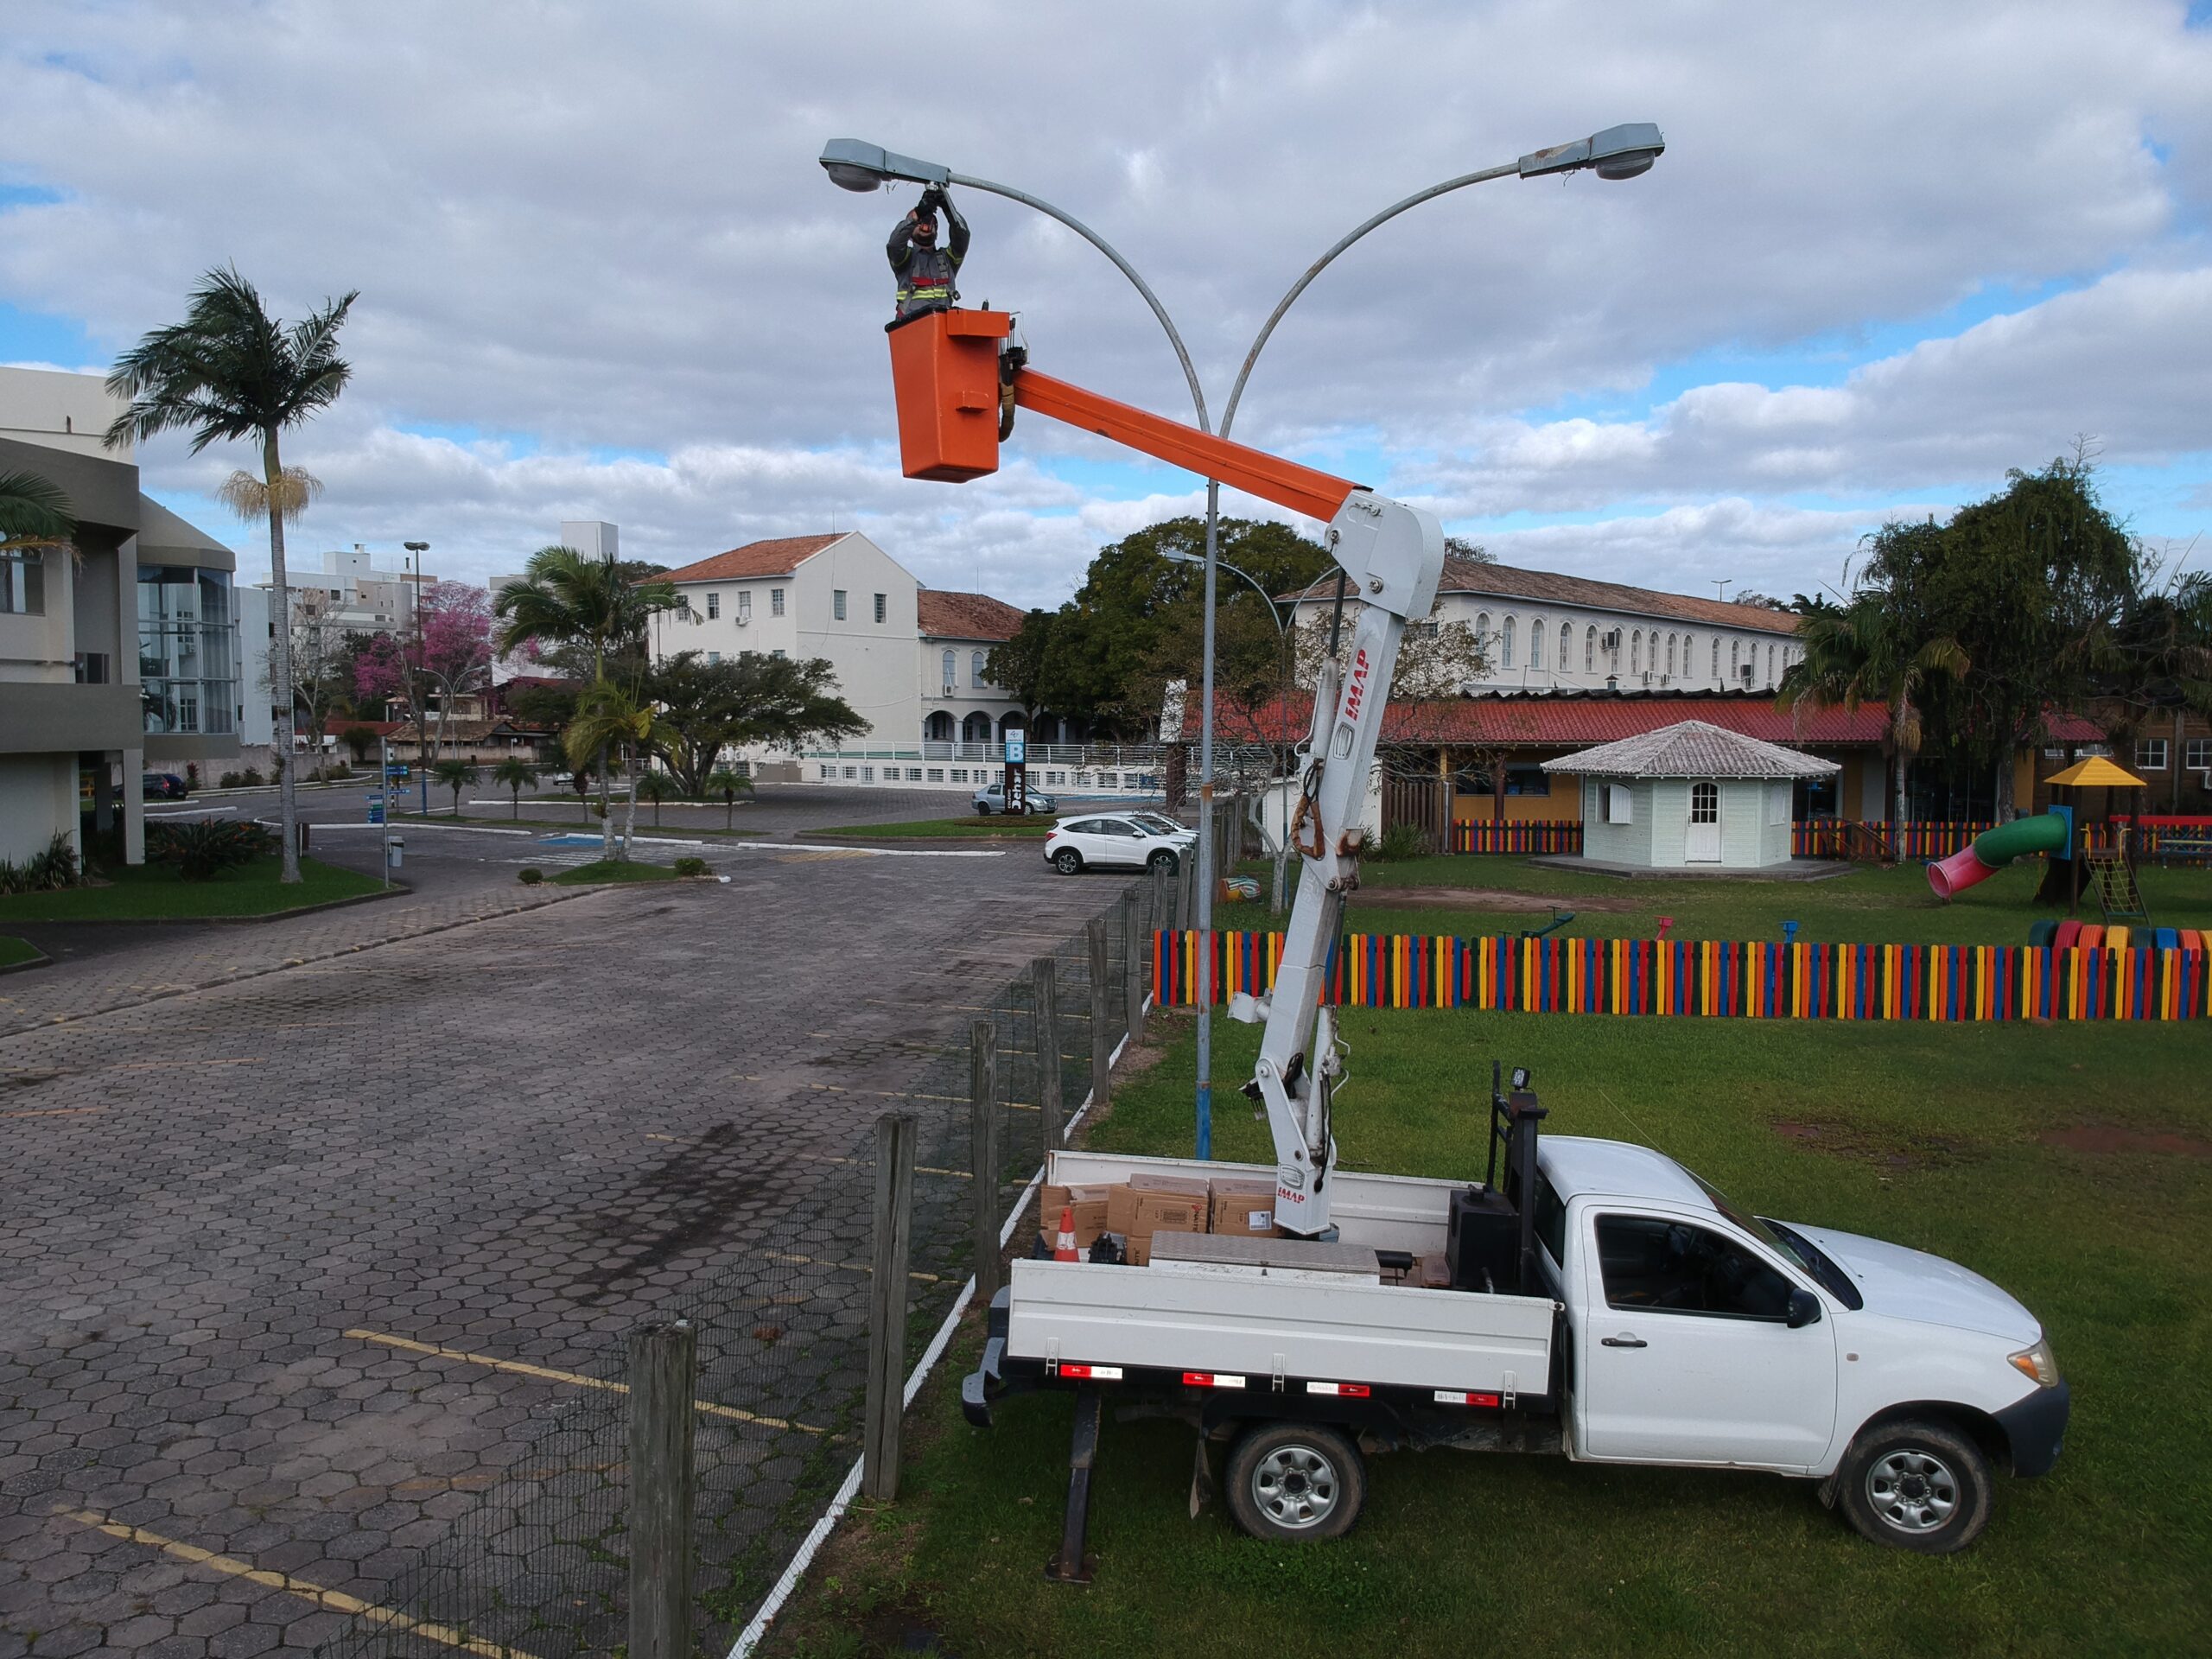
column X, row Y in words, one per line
column 1684, row 1352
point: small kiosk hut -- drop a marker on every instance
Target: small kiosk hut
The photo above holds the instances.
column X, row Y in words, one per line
column 1690, row 796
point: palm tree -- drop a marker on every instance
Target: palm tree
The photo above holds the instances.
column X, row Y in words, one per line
column 34, row 514
column 230, row 371
column 608, row 717
column 514, row 774
column 454, row 775
column 1858, row 654
column 659, row 786
column 567, row 597
column 729, row 786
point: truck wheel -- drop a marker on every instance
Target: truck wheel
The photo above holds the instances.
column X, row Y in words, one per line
column 1068, row 862
column 1295, row 1481
column 1920, row 1486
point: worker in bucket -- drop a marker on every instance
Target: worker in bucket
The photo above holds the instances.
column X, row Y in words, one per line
column 925, row 270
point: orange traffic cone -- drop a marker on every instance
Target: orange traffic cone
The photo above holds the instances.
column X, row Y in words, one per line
column 1064, row 1247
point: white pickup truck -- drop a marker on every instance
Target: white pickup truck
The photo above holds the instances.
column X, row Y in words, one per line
column 1654, row 1322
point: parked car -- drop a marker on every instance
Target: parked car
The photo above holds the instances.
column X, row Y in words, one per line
column 164, row 786
column 1117, row 840
column 992, row 798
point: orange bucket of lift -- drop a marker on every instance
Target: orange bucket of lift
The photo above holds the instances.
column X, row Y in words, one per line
column 945, row 367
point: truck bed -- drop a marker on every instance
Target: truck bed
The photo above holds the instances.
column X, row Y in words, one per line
column 1268, row 1324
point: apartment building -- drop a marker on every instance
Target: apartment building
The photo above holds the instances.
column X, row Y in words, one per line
column 959, row 702
column 117, row 656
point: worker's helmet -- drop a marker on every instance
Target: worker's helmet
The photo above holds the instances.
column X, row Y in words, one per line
column 924, row 228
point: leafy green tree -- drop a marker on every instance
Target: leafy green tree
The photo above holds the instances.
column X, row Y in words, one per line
column 232, row 372
column 1101, row 659
column 515, row 774
column 706, row 707
column 34, row 515
column 729, row 786
column 455, row 775
column 659, row 786
column 595, row 605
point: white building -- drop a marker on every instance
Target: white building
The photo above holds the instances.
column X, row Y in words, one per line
column 350, row 594
column 1689, row 796
column 960, row 704
column 1545, row 632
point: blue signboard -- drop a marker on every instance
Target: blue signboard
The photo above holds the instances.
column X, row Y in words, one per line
column 1015, row 743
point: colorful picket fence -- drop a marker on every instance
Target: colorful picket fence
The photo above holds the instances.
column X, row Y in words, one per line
column 1745, row 979
column 1508, row 835
column 1809, row 837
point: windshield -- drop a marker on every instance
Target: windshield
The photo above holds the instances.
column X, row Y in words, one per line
column 1789, row 1244
column 1153, row 822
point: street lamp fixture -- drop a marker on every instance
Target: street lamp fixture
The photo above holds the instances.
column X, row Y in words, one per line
column 1619, row 152
column 853, row 165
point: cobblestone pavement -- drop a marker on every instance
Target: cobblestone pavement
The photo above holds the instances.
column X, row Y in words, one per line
column 509, row 1139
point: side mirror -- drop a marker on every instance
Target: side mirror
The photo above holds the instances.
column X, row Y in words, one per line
column 1804, row 1309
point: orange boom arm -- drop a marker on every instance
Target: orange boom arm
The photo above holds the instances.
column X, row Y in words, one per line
column 946, row 369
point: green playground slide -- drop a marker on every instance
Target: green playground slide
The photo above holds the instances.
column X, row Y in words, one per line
column 1993, row 850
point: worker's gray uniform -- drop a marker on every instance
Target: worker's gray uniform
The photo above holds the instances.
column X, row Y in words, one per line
column 925, row 274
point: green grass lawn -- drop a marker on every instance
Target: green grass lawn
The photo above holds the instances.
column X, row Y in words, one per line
column 13, row 951
column 1931, row 1136
column 1869, row 905
column 600, row 870
column 975, row 826
column 155, row 892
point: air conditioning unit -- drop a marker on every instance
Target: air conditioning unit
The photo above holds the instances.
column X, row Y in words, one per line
column 743, row 620
column 951, row 690
column 1646, row 676
column 1748, row 673
column 1610, row 641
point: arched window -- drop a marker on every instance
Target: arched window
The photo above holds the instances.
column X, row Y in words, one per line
column 1635, row 652
column 1770, row 665
column 1013, row 720
column 951, row 669
column 1735, row 658
column 1505, row 644
column 1482, row 631
column 940, row 727
column 1670, row 654
column 1536, row 643
column 1566, row 647
column 976, row 729
column 976, row 669
column 1716, row 656
column 1690, row 656
column 1590, row 650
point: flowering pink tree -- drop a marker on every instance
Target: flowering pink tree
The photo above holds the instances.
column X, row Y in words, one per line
column 448, row 654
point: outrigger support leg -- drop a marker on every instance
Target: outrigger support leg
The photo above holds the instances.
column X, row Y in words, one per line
column 1071, row 1565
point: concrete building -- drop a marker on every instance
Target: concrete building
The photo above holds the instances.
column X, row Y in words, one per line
column 963, row 712
column 116, row 656
column 1690, row 796
column 351, row 595
column 1543, row 632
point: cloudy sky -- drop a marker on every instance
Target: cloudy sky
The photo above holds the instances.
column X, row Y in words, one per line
column 1893, row 250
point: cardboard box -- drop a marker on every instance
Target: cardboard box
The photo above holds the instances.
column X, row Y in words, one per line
column 1121, row 1214
column 1432, row 1271
column 1089, row 1205
column 1156, row 1210
column 1243, row 1207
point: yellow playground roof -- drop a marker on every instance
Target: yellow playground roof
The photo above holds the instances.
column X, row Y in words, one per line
column 2096, row 772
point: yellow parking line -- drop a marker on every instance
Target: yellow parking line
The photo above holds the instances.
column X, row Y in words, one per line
column 849, row 1267
column 576, row 1379
column 336, row 1600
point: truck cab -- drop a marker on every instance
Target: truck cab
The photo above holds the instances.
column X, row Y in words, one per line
column 1698, row 1333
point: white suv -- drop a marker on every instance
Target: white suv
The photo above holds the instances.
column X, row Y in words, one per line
column 1124, row 840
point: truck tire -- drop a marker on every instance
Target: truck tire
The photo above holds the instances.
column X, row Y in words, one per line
column 1921, row 1486
column 1292, row 1482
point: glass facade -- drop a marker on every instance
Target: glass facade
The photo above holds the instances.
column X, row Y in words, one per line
column 188, row 649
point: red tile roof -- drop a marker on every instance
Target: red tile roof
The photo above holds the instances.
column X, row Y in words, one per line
column 1548, row 587
column 965, row 616
column 1576, row 719
column 774, row 558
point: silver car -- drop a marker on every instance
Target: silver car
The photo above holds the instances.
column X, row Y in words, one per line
column 992, row 798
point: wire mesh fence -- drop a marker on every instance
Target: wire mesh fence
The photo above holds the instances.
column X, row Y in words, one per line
column 537, row 1562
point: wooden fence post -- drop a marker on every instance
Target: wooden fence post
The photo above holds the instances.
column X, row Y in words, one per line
column 663, row 1364
column 1044, row 977
column 983, row 1144
column 887, row 1308
column 1133, row 965
column 1101, row 1016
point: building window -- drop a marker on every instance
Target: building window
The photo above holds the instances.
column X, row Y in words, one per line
column 1505, row 644
column 976, row 669
column 1536, row 643
column 1482, row 631
column 1705, row 803
column 951, row 670
column 1689, row 655
column 777, row 655
column 2151, row 754
column 1566, row 647
column 883, row 607
column 775, row 601
column 1670, row 655
column 713, row 658
column 829, row 771
column 713, row 605
column 2197, row 754
column 837, row 603
column 1716, row 656
column 960, row 774
column 186, row 650
column 1527, row 780
column 937, row 774
column 851, row 773
column 22, row 582
column 1590, row 650
column 744, row 604
column 1635, row 652
column 914, row 774
column 92, row 668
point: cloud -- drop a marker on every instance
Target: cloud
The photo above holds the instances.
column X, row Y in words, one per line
column 602, row 230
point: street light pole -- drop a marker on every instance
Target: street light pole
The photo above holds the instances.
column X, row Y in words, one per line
column 422, row 726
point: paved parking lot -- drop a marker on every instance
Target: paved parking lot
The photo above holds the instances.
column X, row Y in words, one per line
column 262, row 1240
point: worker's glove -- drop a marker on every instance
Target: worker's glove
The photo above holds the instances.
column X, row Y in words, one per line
column 933, row 198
